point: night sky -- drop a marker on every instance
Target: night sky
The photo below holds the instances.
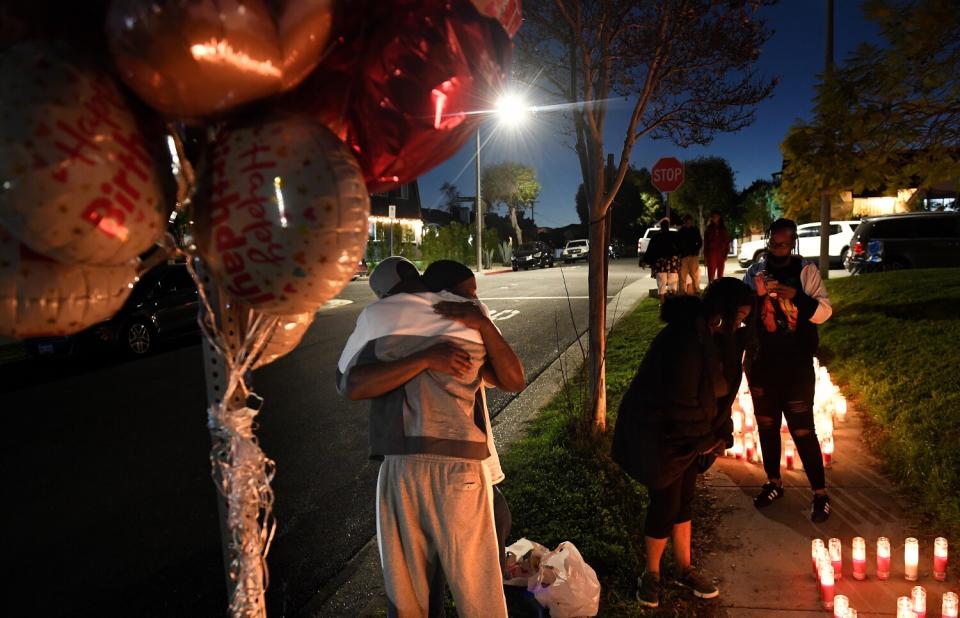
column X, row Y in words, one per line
column 795, row 53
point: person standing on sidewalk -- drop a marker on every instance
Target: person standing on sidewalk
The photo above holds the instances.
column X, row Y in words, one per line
column 421, row 372
column 792, row 301
column 667, row 420
column 690, row 242
column 663, row 257
column 452, row 276
column 716, row 246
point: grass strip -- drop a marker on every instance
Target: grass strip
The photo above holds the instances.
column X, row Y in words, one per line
column 892, row 346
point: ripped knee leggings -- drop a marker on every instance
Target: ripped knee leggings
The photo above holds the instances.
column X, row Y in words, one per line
column 768, row 407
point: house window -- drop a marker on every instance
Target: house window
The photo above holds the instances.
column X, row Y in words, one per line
column 382, row 194
column 404, row 192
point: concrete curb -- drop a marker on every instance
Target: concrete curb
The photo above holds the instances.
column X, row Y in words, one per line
column 358, row 588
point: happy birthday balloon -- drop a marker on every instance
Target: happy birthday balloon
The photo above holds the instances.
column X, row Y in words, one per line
column 77, row 182
column 285, row 338
column 41, row 298
column 192, row 58
column 400, row 87
column 285, row 220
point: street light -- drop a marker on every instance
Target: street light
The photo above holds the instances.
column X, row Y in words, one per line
column 511, row 111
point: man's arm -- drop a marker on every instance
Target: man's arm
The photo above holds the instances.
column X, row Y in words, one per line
column 376, row 379
column 503, row 369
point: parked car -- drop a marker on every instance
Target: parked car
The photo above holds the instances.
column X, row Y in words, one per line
column 913, row 240
column 576, row 250
column 162, row 305
column 533, row 254
column 808, row 243
column 644, row 241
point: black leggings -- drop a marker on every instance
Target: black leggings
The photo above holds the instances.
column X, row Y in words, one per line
column 671, row 505
column 799, row 414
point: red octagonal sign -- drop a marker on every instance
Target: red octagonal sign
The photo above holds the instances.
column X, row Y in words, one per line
column 667, row 174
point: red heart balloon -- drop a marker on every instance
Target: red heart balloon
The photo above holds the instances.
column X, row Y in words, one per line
column 402, row 84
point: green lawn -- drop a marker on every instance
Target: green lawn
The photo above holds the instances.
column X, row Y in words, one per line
column 892, row 346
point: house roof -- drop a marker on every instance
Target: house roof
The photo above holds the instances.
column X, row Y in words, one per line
column 406, row 198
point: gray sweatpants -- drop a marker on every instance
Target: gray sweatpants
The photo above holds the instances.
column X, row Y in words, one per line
column 438, row 511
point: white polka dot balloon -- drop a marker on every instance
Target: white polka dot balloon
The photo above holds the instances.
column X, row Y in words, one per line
column 77, row 183
column 284, row 222
column 40, row 297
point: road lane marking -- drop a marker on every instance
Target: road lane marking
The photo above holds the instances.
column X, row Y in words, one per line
column 506, row 314
column 333, row 303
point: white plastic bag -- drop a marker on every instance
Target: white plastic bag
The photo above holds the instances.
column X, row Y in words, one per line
column 566, row 584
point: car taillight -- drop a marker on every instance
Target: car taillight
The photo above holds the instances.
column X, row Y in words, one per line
column 858, row 248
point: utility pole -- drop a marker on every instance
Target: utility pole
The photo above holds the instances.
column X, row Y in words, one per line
column 826, row 194
column 479, row 211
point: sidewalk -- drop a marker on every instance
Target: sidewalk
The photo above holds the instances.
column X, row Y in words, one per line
column 358, row 589
column 762, row 558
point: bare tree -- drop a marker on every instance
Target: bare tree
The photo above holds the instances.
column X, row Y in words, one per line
column 685, row 66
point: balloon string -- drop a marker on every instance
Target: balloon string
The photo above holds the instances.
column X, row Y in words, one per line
column 240, row 469
column 182, row 169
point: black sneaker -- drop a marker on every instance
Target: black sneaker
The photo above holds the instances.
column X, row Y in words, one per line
column 821, row 508
column 768, row 494
column 648, row 589
column 700, row 585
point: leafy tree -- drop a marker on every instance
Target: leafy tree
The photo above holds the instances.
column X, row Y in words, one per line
column 512, row 185
column 687, row 68
column 635, row 208
column 451, row 200
column 759, row 205
column 707, row 185
column 889, row 117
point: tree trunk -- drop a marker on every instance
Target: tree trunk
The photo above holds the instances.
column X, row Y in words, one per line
column 597, row 284
column 516, row 225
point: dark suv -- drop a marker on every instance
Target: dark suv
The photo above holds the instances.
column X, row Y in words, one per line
column 533, row 254
column 913, row 240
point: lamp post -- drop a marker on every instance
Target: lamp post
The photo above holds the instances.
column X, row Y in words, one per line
column 511, row 110
column 479, row 211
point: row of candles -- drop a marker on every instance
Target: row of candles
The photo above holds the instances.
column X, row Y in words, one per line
column 829, row 406
column 827, row 562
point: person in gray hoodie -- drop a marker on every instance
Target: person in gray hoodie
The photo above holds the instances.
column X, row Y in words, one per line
column 434, row 493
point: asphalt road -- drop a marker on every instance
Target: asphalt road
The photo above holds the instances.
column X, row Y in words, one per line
column 112, row 507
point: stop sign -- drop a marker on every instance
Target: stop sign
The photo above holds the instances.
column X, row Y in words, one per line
column 667, row 174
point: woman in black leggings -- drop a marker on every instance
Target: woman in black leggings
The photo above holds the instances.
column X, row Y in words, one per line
column 671, row 414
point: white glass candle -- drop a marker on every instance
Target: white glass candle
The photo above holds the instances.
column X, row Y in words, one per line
column 919, row 597
column 737, row 417
column 883, row 557
column 859, row 557
column 840, row 407
column 840, row 606
column 940, row 559
column 826, row 447
column 949, row 607
column 826, row 585
column 836, row 557
column 911, row 559
column 851, row 613
column 815, row 546
column 904, row 607
column 789, row 454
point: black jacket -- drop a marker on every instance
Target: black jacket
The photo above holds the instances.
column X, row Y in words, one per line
column 662, row 246
column 667, row 416
column 689, row 241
